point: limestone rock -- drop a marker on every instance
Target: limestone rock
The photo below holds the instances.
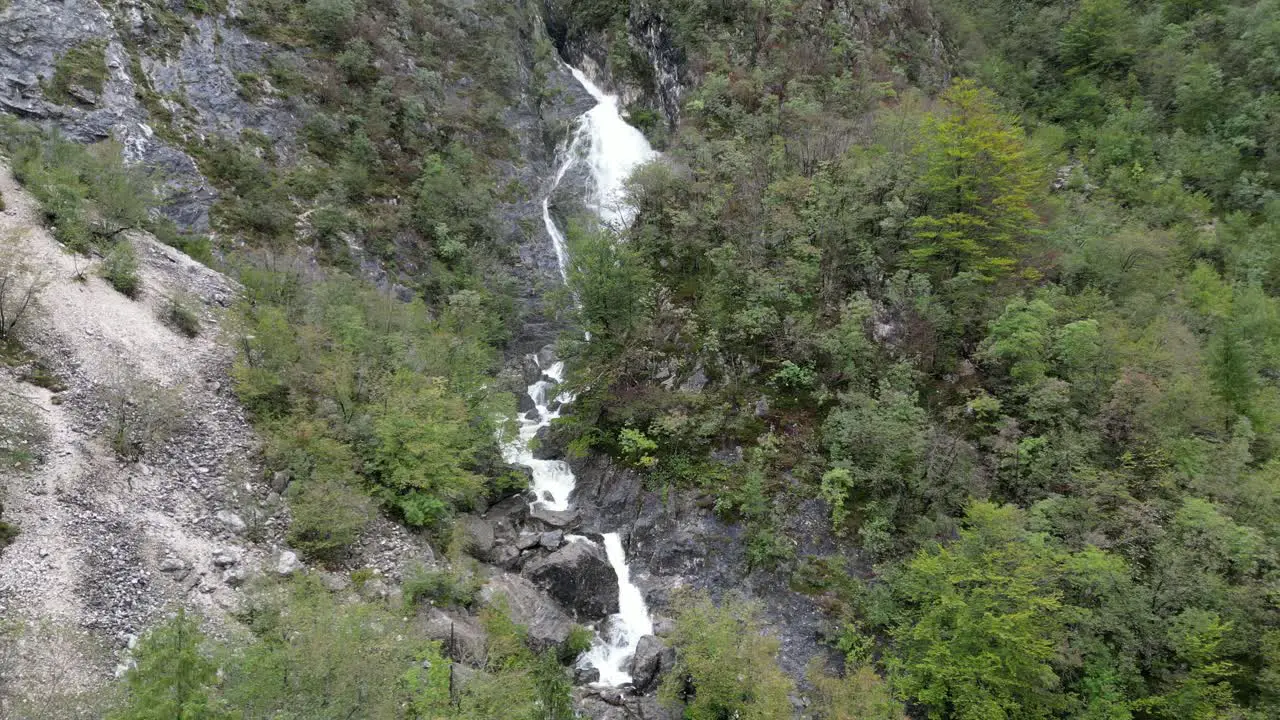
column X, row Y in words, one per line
column 651, row 660
column 288, row 563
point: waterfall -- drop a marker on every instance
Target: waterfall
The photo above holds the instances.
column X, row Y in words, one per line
column 612, row 149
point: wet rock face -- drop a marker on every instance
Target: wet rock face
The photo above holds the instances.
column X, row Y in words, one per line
column 579, row 576
column 652, row 659
column 548, row 624
column 677, row 542
column 612, row 704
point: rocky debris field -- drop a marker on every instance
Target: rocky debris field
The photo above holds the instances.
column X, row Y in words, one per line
column 109, row 542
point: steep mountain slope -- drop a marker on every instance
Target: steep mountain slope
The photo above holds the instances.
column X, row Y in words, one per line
column 106, row 544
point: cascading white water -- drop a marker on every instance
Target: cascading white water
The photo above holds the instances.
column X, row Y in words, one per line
column 552, row 479
column 623, row 630
column 616, row 150
column 612, row 149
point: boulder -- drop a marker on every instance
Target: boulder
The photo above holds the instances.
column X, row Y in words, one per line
column 461, row 635
column 548, row 624
column 224, row 558
column 585, row 675
column 505, row 556
column 550, row 445
column 479, row 535
column 288, row 563
column 580, row 577
column 525, row 405
column 551, row 540
column 612, row 704
column 234, row 577
column 652, row 658
column 232, row 521
column 172, row 564
column 509, row 513
column 554, row 518
column 528, row 541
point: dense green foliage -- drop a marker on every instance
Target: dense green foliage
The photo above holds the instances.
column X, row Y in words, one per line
column 726, row 666
column 360, row 393
column 88, row 195
column 1018, row 336
column 1017, row 330
column 315, row 657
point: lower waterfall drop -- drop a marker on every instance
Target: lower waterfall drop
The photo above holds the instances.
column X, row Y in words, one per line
column 612, row 149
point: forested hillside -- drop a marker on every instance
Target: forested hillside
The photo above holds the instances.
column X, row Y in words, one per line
column 1016, row 329
column 959, row 320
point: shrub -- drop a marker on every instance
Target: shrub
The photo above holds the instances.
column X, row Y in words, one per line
column 180, row 315
column 171, row 677
column 83, row 67
column 141, row 415
column 578, row 642
column 445, row 587
column 725, row 665
column 328, row 517
column 20, row 287
column 120, row 269
column 330, row 21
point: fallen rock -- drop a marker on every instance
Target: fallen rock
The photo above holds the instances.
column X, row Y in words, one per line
column 651, row 660
column 225, row 558
column 462, row 636
column 528, row 541
column 288, row 563
column 554, row 518
column 232, row 521
column 172, row 564
column 235, row 577
column 551, row 540
column 479, row 534
column 613, row 704
column 548, row 624
column 580, row 577
column 505, row 556
column 585, row 676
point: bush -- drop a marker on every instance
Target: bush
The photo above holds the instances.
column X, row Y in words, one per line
column 141, row 415
column 120, row 269
column 444, row 587
column 83, row 67
column 330, row 21
column 20, row 287
column 328, row 517
column 725, row 666
column 179, row 314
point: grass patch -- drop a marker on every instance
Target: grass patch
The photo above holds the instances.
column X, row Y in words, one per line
column 442, row 588
column 82, row 68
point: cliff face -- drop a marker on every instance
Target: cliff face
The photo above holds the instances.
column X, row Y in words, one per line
column 166, row 81
column 141, row 74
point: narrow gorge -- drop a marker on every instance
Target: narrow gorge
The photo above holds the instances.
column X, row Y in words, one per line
column 611, row 149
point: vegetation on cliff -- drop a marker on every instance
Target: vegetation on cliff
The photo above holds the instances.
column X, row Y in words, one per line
column 1016, row 332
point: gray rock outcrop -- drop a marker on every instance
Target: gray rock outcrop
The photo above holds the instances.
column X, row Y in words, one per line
column 579, row 576
column 548, row 625
column 652, row 659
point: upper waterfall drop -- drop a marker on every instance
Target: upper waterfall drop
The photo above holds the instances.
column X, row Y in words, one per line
column 616, row 150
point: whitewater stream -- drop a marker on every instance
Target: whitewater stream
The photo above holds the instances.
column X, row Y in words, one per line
column 612, row 149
